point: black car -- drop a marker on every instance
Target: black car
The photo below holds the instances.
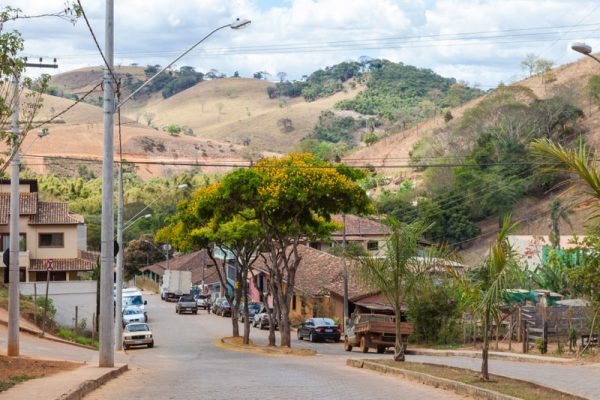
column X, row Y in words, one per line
column 253, row 309
column 319, row 329
column 223, row 308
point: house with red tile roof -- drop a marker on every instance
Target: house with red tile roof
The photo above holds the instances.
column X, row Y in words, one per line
column 49, row 235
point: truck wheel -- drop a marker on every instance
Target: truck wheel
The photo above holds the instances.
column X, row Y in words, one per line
column 347, row 345
column 380, row 349
column 363, row 345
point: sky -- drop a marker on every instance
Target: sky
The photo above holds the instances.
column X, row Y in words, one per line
column 481, row 42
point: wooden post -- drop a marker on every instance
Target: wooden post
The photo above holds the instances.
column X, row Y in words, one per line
column 93, row 326
column 525, row 338
column 76, row 319
column 545, row 338
column 35, row 303
column 510, row 329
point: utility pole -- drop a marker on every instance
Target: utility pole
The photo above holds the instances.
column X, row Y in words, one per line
column 13, row 269
column 346, row 305
column 120, row 265
column 106, row 335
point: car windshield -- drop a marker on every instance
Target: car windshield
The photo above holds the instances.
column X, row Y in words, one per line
column 132, row 311
column 254, row 307
column 187, row 298
column 202, row 297
column 137, row 328
column 324, row 322
column 133, row 301
column 225, row 303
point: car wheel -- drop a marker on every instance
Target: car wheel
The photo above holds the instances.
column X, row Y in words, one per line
column 125, row 347
column 363, row 345
column 150, row 345
column 195, row 312
column 299, row 336
column 312, row 337
column 380, row 349
column 347, row 345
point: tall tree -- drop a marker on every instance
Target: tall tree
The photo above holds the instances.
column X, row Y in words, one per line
column 500, row 272
column 401, row 271
column 558, row 212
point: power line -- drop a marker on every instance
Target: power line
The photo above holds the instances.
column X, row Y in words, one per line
column 87, row 22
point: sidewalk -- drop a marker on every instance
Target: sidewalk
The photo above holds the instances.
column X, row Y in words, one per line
column 69, row 385
column 531, row 358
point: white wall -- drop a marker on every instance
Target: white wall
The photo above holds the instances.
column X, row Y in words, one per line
column 67, row 295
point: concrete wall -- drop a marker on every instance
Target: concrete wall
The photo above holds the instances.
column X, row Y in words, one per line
column 67, row 295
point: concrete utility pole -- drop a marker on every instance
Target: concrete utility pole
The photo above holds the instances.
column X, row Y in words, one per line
column 13, row 269
column 120, row 265
column 106, row 335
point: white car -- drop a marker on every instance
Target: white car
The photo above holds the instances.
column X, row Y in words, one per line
column 133, row 314
column 137, row 334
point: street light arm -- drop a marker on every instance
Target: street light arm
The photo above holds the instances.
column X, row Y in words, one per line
column 594, row 57
column 136, row 91
column 155, row 200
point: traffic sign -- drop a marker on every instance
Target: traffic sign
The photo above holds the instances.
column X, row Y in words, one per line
column 49, row 266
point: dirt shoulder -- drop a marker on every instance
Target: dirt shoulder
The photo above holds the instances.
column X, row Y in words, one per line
column 14, row 370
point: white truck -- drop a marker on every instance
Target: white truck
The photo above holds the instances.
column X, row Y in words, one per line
column 175, row 284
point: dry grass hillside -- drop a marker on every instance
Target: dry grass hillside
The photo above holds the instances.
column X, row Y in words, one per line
column 238, row 110
column 532, row 213
column 79, row 133
column 81, row 80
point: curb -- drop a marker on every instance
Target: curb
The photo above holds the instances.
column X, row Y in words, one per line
column 52, row 339
column 492, row 356
column 224, row 344
column 448, row 384
column 90, row 385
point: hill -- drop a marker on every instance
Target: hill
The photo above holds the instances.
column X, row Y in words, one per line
column 437, row 141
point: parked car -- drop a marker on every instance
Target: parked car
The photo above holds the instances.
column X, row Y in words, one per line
column 253, row 309
column 319, row 329
column 215, row 305
column 223, row 308
column 202, row 301
column 261, row 319
column 186, row 303
column 133, row 314
column 137, row 334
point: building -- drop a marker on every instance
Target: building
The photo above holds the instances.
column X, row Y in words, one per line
column 198, row 262
column 368, row 233
column 534, row 250
column 49, row 235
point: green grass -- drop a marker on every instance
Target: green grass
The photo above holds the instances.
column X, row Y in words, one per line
column 512, row 387
column 69, row 334
column 6, row 384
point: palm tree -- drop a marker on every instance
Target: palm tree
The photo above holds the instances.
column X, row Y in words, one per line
column 500, row 272
column 400, row 272
column 580, row 161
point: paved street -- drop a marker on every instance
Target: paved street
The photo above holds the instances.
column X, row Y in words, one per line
column 185, row 363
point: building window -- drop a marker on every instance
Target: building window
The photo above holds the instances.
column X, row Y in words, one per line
column 372, row 245
column 6, row 242
column 294, row 302
column 52, row 240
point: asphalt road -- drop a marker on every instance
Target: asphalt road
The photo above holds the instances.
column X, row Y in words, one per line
column 185, row 363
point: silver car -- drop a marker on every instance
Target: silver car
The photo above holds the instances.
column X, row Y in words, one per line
column 137, row 334
column 133, row 314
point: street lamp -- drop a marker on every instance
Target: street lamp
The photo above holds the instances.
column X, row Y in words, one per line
column 166, row 247
column 584, row 49
column 132, row 221
column 41, row 134
column 108, row 332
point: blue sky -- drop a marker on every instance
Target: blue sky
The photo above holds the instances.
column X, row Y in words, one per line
column 478, row 41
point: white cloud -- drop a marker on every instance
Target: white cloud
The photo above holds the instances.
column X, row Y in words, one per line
column 300, row 36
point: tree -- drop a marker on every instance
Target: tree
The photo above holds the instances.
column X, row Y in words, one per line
column 281, row 76
column 138, row 253
column 293, row 198
column 228, row 235
column 500, row 272
column 400, row 272
column 557, row 212
column 529, row 63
